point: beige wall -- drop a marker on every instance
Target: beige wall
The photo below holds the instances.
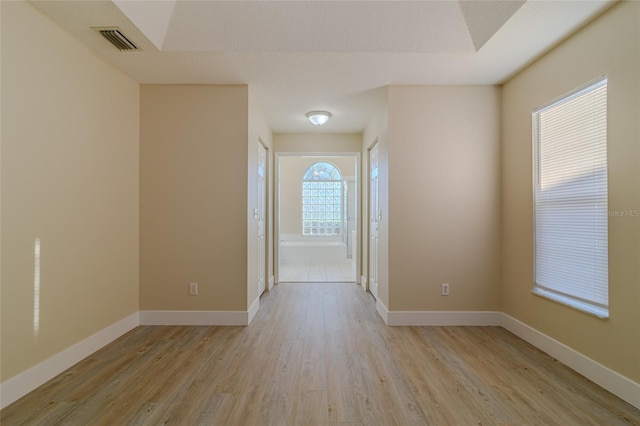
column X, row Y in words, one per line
column 193, row 197
column 610, row 45
column 70, row 179
column 259, row 132
column 444, row 198
column 317, row 142
column 290, row 171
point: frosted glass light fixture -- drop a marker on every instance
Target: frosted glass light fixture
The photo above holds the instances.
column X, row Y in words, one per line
column 318, row 118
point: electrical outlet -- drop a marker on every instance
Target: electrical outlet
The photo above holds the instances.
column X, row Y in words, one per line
column 445, row 289
column 193, row 289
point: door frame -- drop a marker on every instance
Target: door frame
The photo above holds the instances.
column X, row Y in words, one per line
column 266, row 219
column 373, row 144
column 276, row 201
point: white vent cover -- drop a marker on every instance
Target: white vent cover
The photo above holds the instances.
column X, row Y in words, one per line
column 117, row 38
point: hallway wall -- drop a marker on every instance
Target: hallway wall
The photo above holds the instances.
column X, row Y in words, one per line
column 193, row 197
column 70, row 124
column 316, row 142
column 444, row 197
column 611, row 46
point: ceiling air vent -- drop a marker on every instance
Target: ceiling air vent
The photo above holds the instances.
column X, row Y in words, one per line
column 117, row 38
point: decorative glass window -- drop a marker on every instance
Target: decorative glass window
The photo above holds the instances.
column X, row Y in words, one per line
column 322, row 200
column 571, row 213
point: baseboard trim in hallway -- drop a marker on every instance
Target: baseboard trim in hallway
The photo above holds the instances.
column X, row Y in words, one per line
column 443, row 318
column 319, row 353
column 20, row 385
column 199, row 317
column 612, row 381
column 621, row 386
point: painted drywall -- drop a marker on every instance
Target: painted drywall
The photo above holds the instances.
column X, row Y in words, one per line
column 70, row 181
column 444, row 198
column 193, row 197
column 0, row 198
column 611, row 46
column 377, row 132
column 259, row 133
column 290, row 171
column 317, row 142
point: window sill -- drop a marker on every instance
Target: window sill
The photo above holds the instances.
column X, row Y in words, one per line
column 596, row 311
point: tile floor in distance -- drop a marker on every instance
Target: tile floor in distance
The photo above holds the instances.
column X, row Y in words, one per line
column 317, row 272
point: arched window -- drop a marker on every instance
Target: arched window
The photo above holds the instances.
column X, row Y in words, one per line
column 322, row 200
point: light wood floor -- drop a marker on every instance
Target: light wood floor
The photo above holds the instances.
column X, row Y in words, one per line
column 319, row 354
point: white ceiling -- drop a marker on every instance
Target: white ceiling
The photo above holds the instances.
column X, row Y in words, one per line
column 299, row 56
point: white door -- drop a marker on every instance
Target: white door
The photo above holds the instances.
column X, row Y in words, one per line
column 260, row 216
column 374, row 219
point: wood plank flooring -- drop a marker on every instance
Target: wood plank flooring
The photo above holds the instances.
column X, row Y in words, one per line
column 318, row 354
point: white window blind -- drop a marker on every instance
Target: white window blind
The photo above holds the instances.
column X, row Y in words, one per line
column 571, row 213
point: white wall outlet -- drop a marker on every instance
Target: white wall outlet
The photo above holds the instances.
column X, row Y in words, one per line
column 445, row 289
column 193, row 289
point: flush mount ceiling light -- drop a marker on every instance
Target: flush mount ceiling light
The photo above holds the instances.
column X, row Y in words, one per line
column 318, row 118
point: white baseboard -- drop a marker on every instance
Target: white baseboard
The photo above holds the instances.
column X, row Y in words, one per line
column 20, row 385
column 615, row 383
column 253, row 310
column 382, row 311
column 271, row 282
column 194, row 317
column 363, row 282
column 610, row 380
column 442, row 318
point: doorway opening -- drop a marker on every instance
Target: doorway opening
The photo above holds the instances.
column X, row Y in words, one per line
column 317, row 227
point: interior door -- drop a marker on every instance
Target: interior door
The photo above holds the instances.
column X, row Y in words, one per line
column 260, row 216
column 374, row 220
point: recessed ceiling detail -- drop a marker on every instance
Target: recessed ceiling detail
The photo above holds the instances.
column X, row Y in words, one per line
column 317, row 26
column 151, row 19
column 340, row 54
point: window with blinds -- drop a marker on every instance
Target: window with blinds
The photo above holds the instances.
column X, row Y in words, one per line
column 570, row 199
